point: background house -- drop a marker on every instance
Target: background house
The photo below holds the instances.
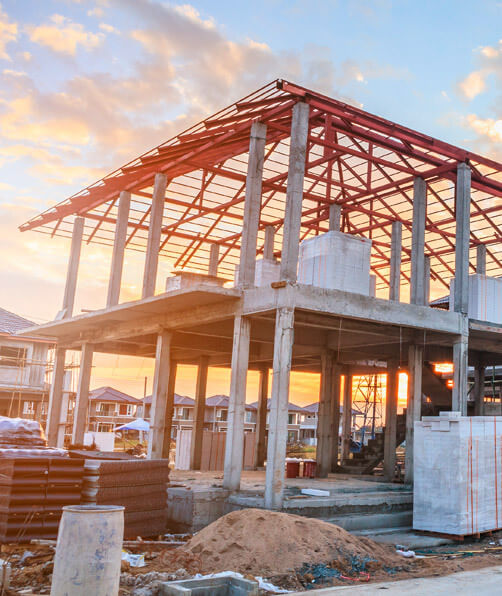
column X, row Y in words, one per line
column 109, row 408
column 23, row 366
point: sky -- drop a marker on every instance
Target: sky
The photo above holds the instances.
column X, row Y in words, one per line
column 87, row 85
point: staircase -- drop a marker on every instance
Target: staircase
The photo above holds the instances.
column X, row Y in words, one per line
column 371, row 455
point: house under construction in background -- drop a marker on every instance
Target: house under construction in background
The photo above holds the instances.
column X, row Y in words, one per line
column 304, row 234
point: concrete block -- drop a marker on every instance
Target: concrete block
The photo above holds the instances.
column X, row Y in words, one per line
column 485, row 298
column 211, row 586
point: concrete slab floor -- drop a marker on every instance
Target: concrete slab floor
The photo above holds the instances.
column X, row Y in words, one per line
column 486, row 581
column 404, row 537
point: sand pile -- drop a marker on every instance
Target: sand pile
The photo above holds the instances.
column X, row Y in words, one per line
column 261, row 542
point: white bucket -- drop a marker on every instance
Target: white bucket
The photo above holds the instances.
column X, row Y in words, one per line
column 88, row 551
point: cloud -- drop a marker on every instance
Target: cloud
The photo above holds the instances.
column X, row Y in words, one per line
column 108, row 28
column 489, row 59
column 63, row 36
column 8, row 33
column 473, row 84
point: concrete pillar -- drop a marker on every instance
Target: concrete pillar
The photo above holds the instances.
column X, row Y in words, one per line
column 460, row 375
column 252, row 205
column 294, row 192
column 427, row 279
column 159, row 395
column 278, row 423
column 234, row 448
column 462, row 237
column 73, row 263
column 154, row 232
column 214, row 255
column 346, row 416
column 335, row 217
column 418, row 241
column 481, row 259
column 396, row 242
column 82, row 400
column 414, row 405
column 118, row 249
column 268, row 247
column 63, row 420
column 335, row 415
column 199, row 412
column 168, row 420
column 479, row 388
column 261, row 419
column 391, row 398
column 55, row 398
column 324, row 416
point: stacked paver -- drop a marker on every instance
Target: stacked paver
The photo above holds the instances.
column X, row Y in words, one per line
column 458, row 474
column 138, row 485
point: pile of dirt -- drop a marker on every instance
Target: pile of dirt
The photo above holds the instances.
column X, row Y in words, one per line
column 260, row 542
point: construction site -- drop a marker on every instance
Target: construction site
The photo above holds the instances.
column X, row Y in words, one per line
column 302, row 234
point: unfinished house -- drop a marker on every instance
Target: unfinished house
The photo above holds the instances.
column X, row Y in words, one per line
column 304, row 234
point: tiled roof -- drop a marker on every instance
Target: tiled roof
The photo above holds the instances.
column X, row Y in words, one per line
column 291, row 406
column 222, row 401
column 11, row 323
column 179, row 400
column 113, row 395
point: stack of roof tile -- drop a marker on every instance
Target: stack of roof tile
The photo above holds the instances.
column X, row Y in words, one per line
column 139, row 485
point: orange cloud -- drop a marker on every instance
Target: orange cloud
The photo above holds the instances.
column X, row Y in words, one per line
column 8, row 33
column 64, row 36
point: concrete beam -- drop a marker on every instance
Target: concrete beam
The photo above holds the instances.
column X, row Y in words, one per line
column 278, row 422
column 268, row 247
column 346, row 415
column 234, row 448
column 414, row 405
column 481, row 259
column 261, row 419
column 154, row 233
column 396, row 243
column 460, row 375
column 391, row 399
column 82, row 400
column 55, row 398
column 417, row 293
column 294, row 192
column 119, row 244
column 199, row 412
column 324, row 416
column 72, row 273
column 214, row 256
column 462, row 237
column 335, row 415
column 159, row 395
column 335, row 217
column 252, row 205
column 168, row 420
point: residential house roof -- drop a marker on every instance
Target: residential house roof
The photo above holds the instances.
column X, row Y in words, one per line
column 113, row 395
column 179, row 400
column 291, row 406
column 222, row 401
column 11, row 323
column 314, row 408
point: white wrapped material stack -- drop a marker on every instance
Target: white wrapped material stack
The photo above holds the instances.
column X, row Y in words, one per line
column 485, row 298
column 336, row 261
column 457, row 474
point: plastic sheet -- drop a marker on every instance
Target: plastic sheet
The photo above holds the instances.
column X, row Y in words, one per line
column 18, row 432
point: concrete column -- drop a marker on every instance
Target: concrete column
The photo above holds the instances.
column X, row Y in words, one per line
column 82, row 400
column 346, row 415
column 234, row 448
column 159, row 395
column 481, row 259
column 335, row 415
column 168, row 421
column 199, row 412
column 418, row 241
column 72, row 273
column 324, row 418
column 261, row 419
column 154, row 232
column 55, row 398
column 118, row 249
column 268, row 247
column 252, row 205
column 214, row 255
column 294, row 192
column 414, row 405
column 278, row 423
column 460, row 372
column 335, row 217
column 391, row 398
column 63, row 420
column 479, row 388
column 427, row 279
column 396, row 243
column 462, row 237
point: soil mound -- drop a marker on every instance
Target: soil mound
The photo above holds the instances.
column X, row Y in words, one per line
column 260, row 542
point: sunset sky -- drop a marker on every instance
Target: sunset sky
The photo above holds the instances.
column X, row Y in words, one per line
column 87, row 85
